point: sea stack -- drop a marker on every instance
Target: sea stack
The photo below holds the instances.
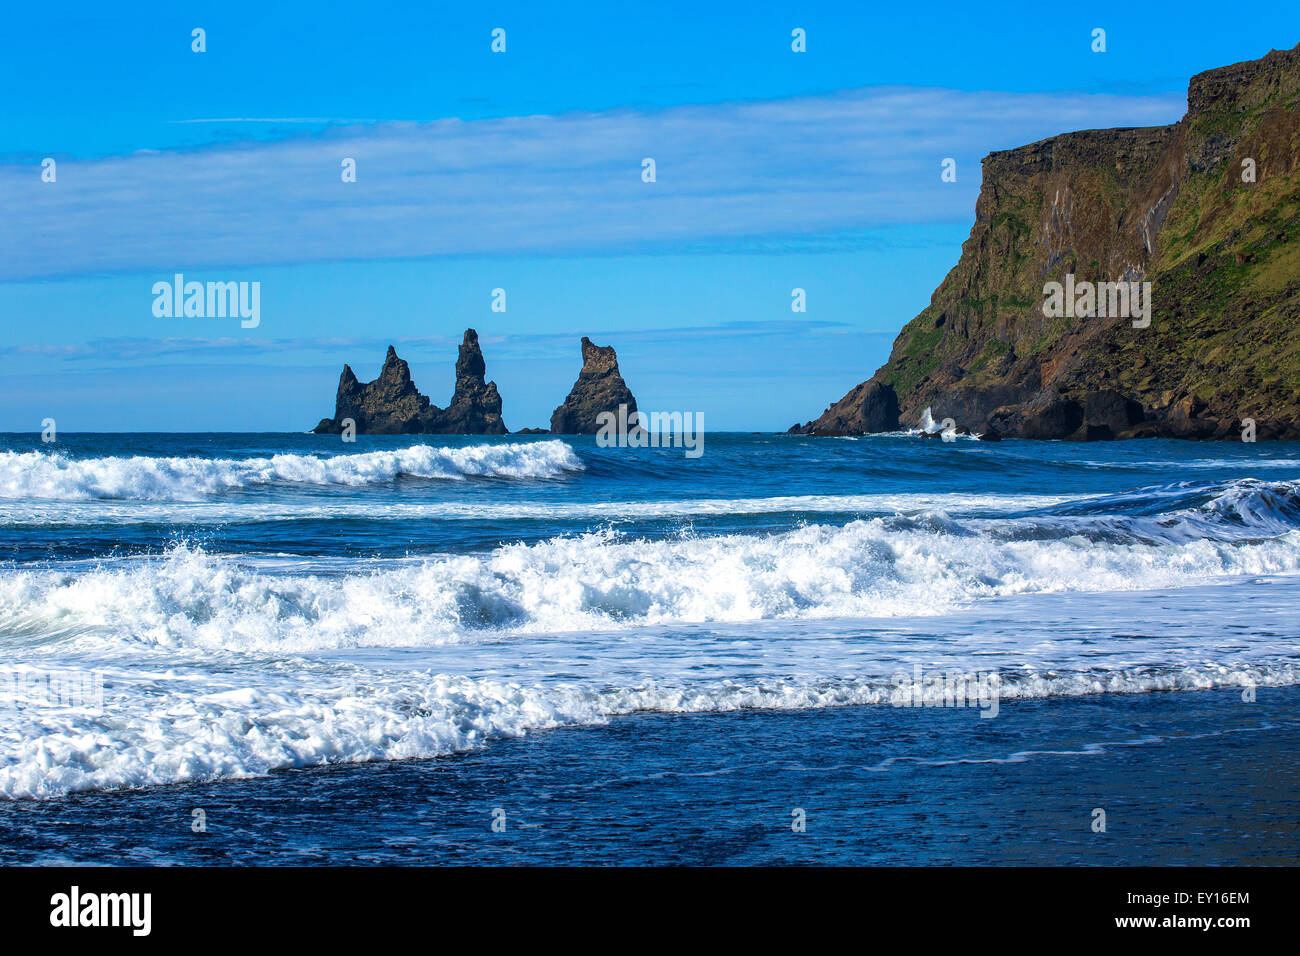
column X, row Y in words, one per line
column 599, row 388
column 475, row 407
column 392, row 405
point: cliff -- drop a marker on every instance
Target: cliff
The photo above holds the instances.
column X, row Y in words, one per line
column 1173, row 206
column 392, row 405
column 599, row 388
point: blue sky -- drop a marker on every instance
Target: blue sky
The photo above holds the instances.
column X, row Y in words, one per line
column 522, row 171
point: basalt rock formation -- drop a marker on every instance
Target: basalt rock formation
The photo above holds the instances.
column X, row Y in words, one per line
column 870, row 408
column 599, row 388
column 475, row 407
column 1206, row 210
column 392, row 405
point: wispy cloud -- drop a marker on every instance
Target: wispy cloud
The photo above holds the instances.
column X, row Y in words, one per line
column 727, row 173
column 116, row 351
column 324, row 120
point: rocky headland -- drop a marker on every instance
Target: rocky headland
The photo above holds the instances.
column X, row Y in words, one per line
column 1206, row 210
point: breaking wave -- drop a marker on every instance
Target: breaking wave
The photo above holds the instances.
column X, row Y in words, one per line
column 181, row 727
column 41, row 475
column 219, row 667
column 877, row 567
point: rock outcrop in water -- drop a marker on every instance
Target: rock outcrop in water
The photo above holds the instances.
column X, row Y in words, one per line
column 871, row 408
column 1207, row 211
column 599, row 388
column 392, row 405
column 475, row 407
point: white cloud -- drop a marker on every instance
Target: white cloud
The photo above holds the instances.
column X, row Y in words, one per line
column 727, row 173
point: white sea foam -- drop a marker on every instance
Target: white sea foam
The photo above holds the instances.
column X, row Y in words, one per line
column 878, row 567
column 177, row 726
column 52, row 476
column 166, row 729
column 218, row 667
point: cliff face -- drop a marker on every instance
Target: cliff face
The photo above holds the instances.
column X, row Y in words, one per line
column 1165, row 205
column 392, row 405
column 599, row 388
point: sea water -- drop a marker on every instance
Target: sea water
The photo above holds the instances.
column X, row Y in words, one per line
column 186, row 618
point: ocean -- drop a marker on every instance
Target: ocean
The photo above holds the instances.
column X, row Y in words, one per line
column 285, row 648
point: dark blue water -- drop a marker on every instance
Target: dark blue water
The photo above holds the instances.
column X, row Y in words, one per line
column 734, row 467
column 1185, row 779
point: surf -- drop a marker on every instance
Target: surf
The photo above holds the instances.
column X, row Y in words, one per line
column 54, row 476
column 929, row 563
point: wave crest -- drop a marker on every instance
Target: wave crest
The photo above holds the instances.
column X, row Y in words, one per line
column 52, row 476
column 878, row 567
column 178, row 727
